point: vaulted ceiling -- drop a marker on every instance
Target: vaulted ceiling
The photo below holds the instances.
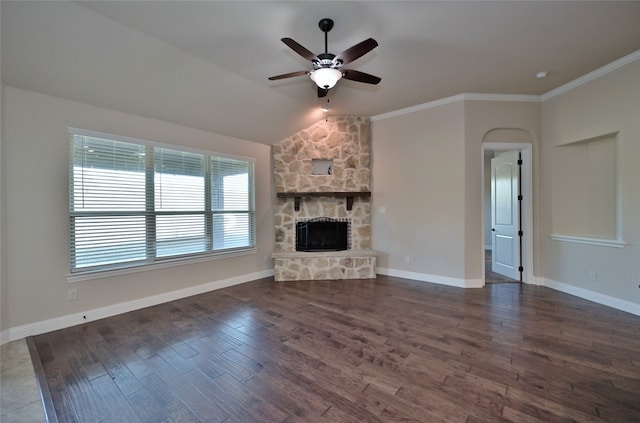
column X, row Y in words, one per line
column 205, row 64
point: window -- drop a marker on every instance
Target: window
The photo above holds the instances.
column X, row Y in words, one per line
column 134, row 203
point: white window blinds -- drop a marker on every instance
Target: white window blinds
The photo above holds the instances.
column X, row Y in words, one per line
column 135, row 204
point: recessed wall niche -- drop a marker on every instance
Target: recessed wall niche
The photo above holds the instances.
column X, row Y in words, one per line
column 321, row 166
column 585, row 188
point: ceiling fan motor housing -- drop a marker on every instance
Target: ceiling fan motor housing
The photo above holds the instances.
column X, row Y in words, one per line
column 326, row 60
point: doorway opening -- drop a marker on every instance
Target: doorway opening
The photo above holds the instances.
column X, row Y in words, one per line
column 489, row 275
column 507, row 218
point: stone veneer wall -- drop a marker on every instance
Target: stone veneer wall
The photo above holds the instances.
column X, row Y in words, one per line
column 345, row 140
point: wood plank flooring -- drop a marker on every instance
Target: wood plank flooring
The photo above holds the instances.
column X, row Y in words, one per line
column 384, row 350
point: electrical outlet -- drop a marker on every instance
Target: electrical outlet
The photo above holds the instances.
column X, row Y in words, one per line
column 72, row 294
column 407, row 259
column 593, row 275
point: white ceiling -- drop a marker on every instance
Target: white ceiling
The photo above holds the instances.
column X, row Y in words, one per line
column 205, row 64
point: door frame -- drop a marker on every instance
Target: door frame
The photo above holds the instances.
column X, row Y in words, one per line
column 526, row 207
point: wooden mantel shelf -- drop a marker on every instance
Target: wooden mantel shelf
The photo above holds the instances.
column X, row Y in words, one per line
column 349, row 195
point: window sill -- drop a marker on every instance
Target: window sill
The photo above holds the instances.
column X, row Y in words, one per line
column 602, row 242
column 98, row 274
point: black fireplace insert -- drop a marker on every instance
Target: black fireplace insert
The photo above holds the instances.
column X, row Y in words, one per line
column 322, row 234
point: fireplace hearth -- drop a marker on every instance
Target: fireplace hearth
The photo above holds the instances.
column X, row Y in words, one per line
column 322, row 234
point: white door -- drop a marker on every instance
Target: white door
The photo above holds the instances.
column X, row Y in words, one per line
column 505, row 221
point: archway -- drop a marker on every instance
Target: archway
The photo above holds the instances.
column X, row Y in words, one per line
column 505, row 139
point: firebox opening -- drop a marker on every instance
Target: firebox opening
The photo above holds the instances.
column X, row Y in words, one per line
column 322, row 234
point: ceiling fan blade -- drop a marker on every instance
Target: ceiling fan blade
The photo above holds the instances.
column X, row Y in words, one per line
column 322, row 92
column 287, row 75
column 355, row 75
column 302, row 51
column 360, row 49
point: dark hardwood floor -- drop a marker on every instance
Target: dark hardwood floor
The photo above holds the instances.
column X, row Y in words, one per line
column 384, row 350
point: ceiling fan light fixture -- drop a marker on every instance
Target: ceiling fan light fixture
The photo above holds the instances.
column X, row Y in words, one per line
column 326, row 77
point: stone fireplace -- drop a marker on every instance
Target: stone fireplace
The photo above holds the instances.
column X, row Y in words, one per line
column 323, row 172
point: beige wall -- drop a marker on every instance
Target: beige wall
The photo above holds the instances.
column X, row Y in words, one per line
column 418, row 178
column 37, row 236
column 4, row 304
column 606, row 105
column 487, row 199
column 427, row 168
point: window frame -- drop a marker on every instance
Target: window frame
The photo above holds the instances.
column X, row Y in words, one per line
column 155, row 262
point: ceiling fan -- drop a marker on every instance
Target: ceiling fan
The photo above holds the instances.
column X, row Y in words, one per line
column 327, row 67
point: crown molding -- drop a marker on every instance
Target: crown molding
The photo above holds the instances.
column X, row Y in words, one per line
column 502, row 97
column 617, row 64
column 630, row 58
column 455, row 99
column 418, row 107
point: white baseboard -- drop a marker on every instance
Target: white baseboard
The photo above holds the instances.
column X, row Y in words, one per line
column 62, row 322
column 596, row 297
column 537, row 280
column 586, row 294
column 424, row 277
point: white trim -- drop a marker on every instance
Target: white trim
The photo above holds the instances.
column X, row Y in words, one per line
column 455, row 99
column 596, row 297
column 424, row 277
column 418, row 107
column 99, row 274
column 586, row 294
column 615, row 65
column 602, row 242
column 122, row 138
column 524, row 98
column 537, row 280
column 62, row 322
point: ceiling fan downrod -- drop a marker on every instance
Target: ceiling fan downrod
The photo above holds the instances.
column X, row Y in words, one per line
column 325, row 26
